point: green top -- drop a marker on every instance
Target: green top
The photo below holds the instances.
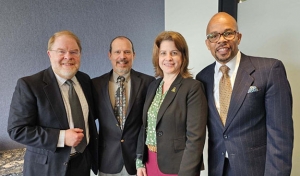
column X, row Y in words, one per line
column 151, row 120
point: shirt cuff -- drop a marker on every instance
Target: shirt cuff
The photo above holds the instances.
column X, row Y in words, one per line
column 139, row 164
column 61, row 138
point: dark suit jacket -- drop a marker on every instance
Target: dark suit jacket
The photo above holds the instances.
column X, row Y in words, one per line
column 116, row 147
column 37, row 114
column 180, row 127
column 258, row 134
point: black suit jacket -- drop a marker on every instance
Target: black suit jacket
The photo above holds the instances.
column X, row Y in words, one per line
column 180, row 127
column 37, row 114
column 116, row 147
column 258, row 134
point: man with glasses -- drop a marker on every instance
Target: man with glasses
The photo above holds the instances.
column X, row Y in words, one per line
column 250, row 126
column 59, row 132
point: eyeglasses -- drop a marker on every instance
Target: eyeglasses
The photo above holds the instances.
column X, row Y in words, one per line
column 228, row 35
column 63, row 52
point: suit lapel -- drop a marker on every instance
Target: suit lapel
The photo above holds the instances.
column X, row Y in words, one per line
column 242, row 83
column 210, row 95
column 54, row 96
column 149, row 98
column 84, row 85
column 135, row 86
column 172, row 92
column 106, row 96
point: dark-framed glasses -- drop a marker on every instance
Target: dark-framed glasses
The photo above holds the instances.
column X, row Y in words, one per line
column 215, row 36
column 61, row 52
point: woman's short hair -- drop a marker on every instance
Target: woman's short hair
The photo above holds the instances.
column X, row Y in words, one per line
column 180, row 44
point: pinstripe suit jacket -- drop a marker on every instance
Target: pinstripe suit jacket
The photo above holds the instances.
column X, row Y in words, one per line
column 258, row 134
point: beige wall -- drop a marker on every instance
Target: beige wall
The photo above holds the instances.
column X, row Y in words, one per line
column 269, row 28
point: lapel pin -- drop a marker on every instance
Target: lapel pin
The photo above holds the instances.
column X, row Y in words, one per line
column 174, row 89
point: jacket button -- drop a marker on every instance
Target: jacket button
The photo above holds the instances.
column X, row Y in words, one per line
column 159, row 133
column 225, row 136
column 65, row 163
column 122, row 140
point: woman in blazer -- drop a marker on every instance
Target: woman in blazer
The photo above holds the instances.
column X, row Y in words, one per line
column 172, row 137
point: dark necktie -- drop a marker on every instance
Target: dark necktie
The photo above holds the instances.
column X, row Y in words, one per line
column 120, row 104
column 77, row 115
column 225, row 93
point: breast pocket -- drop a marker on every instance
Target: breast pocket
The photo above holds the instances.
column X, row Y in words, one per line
column 254, row 100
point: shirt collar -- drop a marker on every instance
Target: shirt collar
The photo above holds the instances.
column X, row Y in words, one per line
column 232, row 64
column 61, row 80
column 115, row 77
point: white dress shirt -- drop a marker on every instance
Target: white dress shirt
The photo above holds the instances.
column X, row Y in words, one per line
column 64, row 88
column 233, row 64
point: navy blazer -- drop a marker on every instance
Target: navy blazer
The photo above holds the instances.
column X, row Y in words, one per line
column 258, row 134
column 116, row 147
column 180, row 127
column 37, row 114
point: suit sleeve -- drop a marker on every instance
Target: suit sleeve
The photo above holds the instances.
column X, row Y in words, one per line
column 196, row 131
column 24, row 123
column 278, row 104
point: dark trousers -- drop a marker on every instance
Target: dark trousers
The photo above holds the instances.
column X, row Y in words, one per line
column 80, row 165
column 227, row 171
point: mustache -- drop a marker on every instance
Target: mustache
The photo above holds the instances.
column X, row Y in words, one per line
column 122, row 61
column 222, row 46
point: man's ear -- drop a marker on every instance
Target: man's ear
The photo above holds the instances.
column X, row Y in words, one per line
column 239, row 38
column 48, row 52
column 109, row 55
column 207, row 44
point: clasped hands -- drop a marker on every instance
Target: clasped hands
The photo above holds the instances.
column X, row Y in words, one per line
column 73, row 137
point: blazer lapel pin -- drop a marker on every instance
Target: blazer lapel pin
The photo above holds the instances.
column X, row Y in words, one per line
column 252, row 89
column 174, row 89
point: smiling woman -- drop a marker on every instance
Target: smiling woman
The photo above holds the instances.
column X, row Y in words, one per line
column 171, row 143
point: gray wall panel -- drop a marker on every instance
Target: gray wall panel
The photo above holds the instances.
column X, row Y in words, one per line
column 25, row 27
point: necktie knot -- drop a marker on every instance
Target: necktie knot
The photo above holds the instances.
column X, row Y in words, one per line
column 121, row 79
column 224, row 69
column 69, row 82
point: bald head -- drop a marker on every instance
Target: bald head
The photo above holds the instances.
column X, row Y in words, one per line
column 224, row 46
column 221, row 18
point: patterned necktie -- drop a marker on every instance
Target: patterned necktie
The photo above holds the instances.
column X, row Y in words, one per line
column 77, row 115
column 120, row 104
column 225, row 93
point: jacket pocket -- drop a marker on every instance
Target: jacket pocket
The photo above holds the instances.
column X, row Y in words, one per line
column 35, row 157
column 179, row 144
